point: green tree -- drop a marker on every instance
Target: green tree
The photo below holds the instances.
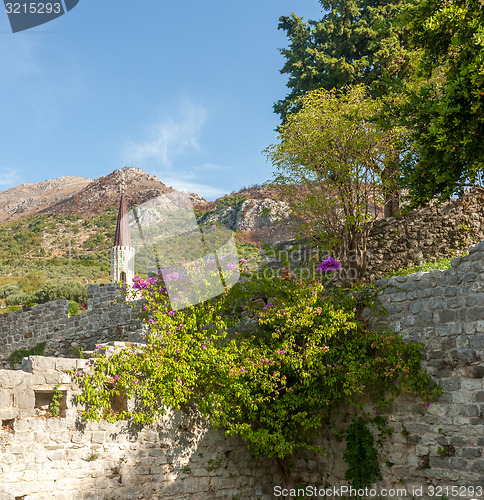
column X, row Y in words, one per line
column 355, row 42
column 446, row 115
column 334, row 152
column 32, row 282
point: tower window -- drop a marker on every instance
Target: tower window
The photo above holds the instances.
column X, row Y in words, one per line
column 123, row 276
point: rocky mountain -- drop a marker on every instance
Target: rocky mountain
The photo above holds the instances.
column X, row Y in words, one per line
column 248, row 214
column 254, row 210
column 103, row 193
column 82, row 196
column 30, row 199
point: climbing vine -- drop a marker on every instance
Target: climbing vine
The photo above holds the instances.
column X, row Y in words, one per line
column 267, row 360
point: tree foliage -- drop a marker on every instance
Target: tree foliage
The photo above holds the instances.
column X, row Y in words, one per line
column 447, row 113
column 336, row 151
column 355, row 41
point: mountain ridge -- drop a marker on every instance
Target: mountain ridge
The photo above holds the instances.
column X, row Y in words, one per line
column 72, row 195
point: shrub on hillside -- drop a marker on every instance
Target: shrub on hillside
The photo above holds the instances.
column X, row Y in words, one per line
column 20, row 298
column 7, row 290
column 55, row 291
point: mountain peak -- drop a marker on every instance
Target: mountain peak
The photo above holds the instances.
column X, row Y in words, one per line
column 79, row 195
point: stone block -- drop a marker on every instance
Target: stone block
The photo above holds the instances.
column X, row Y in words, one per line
column 65, row 364
column 10, row 379
column 478, row 466
column 190, row 485
column 38, row 364
column 471, row 453
column 6, row 399
column 56, row 455
column 25, row 399
column 475, row 313
column 477, row 341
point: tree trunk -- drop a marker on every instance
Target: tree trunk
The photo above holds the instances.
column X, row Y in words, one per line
column 390, row 176
column 283, row 467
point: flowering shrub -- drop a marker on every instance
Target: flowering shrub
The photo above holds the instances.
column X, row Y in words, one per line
column 274, row 379
column 329, row 265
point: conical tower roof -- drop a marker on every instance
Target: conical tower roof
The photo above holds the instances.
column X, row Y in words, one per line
column 122, row 237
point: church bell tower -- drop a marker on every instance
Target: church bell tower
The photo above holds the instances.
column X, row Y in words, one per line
column 122, row 253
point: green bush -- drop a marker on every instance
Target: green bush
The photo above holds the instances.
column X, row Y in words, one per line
column 73, row 308
column 68, row 291
column 20, row 354
column 277, row 381
column 19, row 298
column 7, row 290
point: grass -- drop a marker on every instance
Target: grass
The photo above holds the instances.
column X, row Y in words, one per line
column 441, row 264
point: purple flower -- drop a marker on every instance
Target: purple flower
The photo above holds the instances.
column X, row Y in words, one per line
column 281, row 352
column 213, row 226
column 151, row 320
column 204, row 346
column 135, row 381
column 98, row 346
column 178, row 351
column 116, row 377
column 171, row 313
column 244, row 261
column 329, row 265
column 232, row 267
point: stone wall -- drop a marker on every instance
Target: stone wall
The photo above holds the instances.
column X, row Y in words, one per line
column 439, row 446
column 427, row 234
column 444, row 310
column 422, row 235
column 104, row 320
column 61, row 458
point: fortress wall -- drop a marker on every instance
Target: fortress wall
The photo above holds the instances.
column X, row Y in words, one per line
column 441, row 446
column 423, row 235
column 104, row 320
column 61, row 458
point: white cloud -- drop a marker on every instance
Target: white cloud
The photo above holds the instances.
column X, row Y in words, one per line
column 9, row 177
column 171, row 137
column 182, row 184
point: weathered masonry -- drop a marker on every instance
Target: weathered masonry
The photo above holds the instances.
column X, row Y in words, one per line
column 45, row 457
column 105, row 320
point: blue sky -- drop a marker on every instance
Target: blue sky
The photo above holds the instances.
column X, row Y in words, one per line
column 183, row 90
